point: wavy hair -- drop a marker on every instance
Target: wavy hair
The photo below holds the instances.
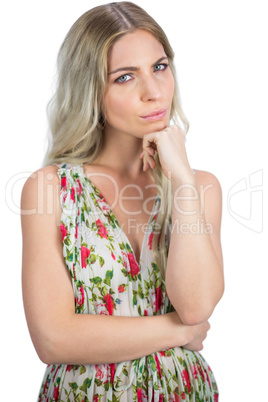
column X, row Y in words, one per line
column 75, row 114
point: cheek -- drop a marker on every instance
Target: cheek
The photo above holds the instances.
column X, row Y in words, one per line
column 117, row 108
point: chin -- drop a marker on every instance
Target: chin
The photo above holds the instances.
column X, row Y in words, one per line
column 157, row 126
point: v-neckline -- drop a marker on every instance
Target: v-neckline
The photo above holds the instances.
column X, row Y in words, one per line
column 100, row 195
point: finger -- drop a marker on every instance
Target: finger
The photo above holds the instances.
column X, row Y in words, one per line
column 145, row 164
column 150, row 162
column 150, row 141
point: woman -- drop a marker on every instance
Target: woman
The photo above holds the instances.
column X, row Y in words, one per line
column 117, row 204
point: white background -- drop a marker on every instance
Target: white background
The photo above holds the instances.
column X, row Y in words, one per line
column 221, row 59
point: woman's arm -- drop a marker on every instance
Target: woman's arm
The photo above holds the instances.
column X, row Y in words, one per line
column 58, row 334
column 194, row 275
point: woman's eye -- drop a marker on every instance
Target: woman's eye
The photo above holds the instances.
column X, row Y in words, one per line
column 159, row 67
column 123, row 78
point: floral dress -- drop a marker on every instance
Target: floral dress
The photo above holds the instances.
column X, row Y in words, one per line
column 107, row 279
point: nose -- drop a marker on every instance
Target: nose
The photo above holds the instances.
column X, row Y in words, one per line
column 150, row 90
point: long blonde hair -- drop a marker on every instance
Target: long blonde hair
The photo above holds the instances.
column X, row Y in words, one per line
column 75, row 111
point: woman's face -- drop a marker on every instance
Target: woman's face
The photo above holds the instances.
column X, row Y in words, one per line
column 140, row 86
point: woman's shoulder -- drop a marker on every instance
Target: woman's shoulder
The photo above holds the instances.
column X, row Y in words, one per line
column 206, row 178
column 40, row 189
column 40, row 177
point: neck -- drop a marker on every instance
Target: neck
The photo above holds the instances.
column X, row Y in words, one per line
column 121, row 154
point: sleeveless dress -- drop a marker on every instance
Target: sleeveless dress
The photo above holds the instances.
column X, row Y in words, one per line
column 107, row 279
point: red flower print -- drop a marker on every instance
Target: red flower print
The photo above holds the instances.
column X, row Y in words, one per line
column 81, row 301
column 134, row 268
column 121, row 288
column 63, row 182
column 158, row 298
column 79, row 189
column 72, row 194
column 45, row 387
column 95, row 398
column 201, row 372
column 194, row 371
column 185, row 376
column 112, row 372
column 177, row 398
column 158, row 366
column 99, row 374
column 109, row 303
column 63, row 231
column 150, row 241
column 84, row 255
column 139, row 394
column 74, row 272
column 161, row 398
column 113, row 256
column 76, row 231
column 64, row 197
column 208, row 379
column 56, row 394
column 183, row 396
column 102, row 231
column 56, row 373
column 145, row 312
column 69, row 367
column 216, row 397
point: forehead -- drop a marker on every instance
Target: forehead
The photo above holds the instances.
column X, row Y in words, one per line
column 134, row 47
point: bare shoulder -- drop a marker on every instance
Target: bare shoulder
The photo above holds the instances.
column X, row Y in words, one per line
column 205, row 178
column 208, row 183
column 40, row 194
column 38, row 181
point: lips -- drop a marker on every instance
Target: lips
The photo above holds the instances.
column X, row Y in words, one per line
column 155, row 115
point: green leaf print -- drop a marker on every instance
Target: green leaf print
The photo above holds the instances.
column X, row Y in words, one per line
column 155, row 267
column 69, row 256
column 140, row 291
column 73, row 385
column 125, row 273
column 92, row 258
column 82, row 370
column 128, row 248
column 134, row 298
column 151, row 361
column 125, row 372
column 86, row 385
column 96, row 280
column 106, row 386
column 108, row 277
column 101, row 261
column 98, row 382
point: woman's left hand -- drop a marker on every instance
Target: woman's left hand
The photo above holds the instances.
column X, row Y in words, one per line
column 169, row 143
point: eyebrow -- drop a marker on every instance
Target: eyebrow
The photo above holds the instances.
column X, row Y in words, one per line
column 132, row 68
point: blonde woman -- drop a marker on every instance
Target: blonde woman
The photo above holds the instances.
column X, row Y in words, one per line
column 118, row 284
